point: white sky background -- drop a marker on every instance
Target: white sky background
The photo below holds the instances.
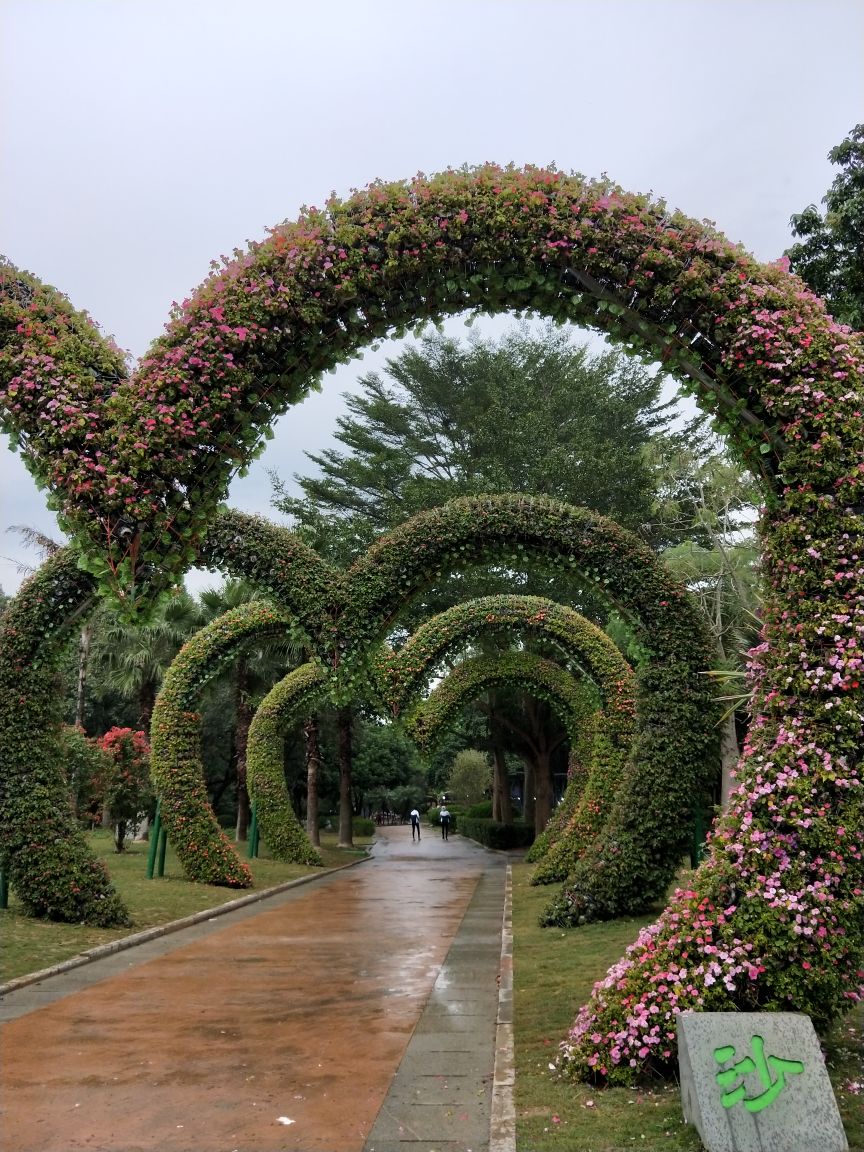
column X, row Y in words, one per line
column 139, row 139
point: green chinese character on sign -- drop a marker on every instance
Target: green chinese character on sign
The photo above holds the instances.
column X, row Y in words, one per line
column 763, row 1066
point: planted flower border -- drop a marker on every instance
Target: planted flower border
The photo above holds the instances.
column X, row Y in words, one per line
column 782, row 380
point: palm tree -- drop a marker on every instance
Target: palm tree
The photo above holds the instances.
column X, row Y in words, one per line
column 134, row 658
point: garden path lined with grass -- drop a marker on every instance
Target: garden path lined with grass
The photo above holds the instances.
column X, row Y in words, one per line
column 554, row 971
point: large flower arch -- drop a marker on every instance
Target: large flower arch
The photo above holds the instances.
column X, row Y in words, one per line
column 139, row 462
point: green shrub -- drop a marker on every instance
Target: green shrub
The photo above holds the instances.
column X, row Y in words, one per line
column 362, row 826
column 483, row 810
column 495, row 835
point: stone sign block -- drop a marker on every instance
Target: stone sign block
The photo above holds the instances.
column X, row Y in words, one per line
column 756, row 1082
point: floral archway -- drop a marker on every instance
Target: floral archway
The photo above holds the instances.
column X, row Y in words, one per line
column 138, row 463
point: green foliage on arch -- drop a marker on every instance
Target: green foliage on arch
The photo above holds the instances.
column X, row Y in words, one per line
column 570, row 698
column 42, row 848
column 146, row 458
column 401, row 675
column 783, row 380
column 290, row 700
column 203, row 848
column 48, row 860
column 603, row 746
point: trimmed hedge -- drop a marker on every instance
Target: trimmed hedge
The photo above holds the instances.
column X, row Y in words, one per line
column 492, row 834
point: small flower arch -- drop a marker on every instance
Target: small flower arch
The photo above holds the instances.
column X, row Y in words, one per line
column 566, row 694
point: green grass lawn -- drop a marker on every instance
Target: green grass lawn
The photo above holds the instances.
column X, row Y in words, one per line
column 30, row 945
column 554, row 971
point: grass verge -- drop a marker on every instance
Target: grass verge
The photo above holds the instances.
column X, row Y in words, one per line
column 30, row 945
column 554, row 971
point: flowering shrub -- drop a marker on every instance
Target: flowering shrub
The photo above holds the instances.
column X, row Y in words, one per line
column 124, row 786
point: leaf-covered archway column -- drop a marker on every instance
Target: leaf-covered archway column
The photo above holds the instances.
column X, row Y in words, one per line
column 176, row 769
column 49, row 862
column 42, row 847
column 138, row 460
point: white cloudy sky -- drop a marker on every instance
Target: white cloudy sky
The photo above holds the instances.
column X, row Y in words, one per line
column 141, row 138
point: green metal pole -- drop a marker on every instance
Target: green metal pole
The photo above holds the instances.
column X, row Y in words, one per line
column 4, row 889
column 252, row 846
column 698, row 840
column 163, row 844
column 154, row 840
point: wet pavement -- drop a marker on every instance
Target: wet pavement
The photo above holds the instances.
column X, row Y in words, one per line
column 357, row 1013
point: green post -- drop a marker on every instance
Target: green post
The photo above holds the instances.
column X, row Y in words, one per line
column 154, row 840
column 4, row 889
column 163, row 844
column 252, row 847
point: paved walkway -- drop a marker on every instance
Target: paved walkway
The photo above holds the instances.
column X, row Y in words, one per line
column 353, row 1014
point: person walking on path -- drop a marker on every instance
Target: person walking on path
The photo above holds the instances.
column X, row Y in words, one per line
column 415, row 823
column 445, row 824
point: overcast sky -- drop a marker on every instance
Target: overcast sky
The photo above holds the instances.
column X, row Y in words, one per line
column 139, row 139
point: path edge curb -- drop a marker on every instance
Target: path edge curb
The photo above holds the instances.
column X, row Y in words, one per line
column 502, row 1127
column 143, row 937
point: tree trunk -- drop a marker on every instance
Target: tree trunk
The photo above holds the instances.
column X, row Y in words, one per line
column 243, row 715
column 313, row 764
column 146, row 702
column 502, row 809
column 729, row 753
column 83, row 656
column 542, row 791
column 528, row 806
column 346, row 831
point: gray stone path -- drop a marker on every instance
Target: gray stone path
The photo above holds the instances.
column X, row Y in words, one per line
column 441, row 1096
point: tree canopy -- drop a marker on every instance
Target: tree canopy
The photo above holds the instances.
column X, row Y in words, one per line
column 830, row 254
column 533, row 412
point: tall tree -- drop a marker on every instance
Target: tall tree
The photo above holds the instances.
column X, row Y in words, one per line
column 830, row 255
column 532, row 412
